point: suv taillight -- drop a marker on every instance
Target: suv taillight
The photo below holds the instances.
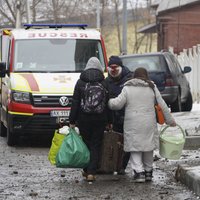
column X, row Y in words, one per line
column 169, row 81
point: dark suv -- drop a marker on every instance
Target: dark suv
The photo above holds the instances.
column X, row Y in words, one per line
column 165, row 70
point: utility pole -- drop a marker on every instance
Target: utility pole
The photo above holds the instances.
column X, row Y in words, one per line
column 124, row 34
column 28, row 12
column 98, row 14
column 18, row 15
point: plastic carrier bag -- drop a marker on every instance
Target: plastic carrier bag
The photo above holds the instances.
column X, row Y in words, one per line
column 73, row 152
column 55, row 146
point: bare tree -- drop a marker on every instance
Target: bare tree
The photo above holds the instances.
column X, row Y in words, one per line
column 34, row 9
column 56, row 11
column 149, row 21
column 138, row 40
column 141, row 16
column 7, row 10
column 83, row 11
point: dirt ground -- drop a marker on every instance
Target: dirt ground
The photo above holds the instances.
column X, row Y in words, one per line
column 26, row 173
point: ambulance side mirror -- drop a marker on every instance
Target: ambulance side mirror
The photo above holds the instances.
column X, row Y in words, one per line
column 2, row 69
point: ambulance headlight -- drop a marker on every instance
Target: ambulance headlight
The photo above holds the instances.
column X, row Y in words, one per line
column 21, row 97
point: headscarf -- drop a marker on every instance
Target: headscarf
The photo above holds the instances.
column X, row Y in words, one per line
column 141, row 73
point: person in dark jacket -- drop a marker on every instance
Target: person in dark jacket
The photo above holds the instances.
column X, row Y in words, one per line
column 91, row 125
column 117, row 76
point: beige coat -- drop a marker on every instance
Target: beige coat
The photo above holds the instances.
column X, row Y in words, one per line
column 140, row 126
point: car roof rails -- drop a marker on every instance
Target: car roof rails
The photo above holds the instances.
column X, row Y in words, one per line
column 164, row 50
column 28, row 26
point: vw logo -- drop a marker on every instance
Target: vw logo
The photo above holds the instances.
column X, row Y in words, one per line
column 64, row 101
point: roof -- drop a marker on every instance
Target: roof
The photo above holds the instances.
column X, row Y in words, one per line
column 166, row 5
column 149, row 28
column 155, row 3
column 145, row 54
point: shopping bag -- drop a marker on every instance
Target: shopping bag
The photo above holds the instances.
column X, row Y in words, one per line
column 158, row 110
column 55, row 146
column 73, row 152
column 159, row 114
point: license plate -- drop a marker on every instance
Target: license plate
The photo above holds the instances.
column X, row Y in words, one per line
column 59, row 113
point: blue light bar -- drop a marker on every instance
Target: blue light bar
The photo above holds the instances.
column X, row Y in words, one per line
column 55, row 25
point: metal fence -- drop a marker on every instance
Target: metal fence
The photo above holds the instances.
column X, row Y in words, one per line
column 191, row 57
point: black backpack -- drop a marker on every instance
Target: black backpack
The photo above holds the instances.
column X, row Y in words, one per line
column 94, row 98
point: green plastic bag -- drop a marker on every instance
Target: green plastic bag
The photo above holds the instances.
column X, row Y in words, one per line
column 73, row 152
column 55, row 146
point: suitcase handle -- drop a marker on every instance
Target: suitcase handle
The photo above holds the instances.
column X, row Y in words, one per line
column 120, row 145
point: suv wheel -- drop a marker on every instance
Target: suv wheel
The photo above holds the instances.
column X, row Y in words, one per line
column 187, row 106
column 176, row 106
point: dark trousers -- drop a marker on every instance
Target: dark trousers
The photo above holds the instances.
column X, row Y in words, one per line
column 119, row 128
column 92, row 134
column 126, row 158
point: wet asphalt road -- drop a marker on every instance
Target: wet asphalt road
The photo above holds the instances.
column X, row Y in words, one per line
column 25, row 173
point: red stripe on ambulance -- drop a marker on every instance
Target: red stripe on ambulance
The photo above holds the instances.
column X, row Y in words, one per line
column 31, row 81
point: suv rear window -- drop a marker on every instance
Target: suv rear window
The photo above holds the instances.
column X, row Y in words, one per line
column 151, row 63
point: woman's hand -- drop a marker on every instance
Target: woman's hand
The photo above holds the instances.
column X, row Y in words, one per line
column 173, row 124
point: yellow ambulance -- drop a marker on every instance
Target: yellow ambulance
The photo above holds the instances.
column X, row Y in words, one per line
column 39, row 67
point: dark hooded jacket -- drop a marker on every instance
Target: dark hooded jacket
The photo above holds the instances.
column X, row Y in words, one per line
column 92, row 73
column 115, row 86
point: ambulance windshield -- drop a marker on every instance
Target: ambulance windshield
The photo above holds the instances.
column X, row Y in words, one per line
column 55, row 55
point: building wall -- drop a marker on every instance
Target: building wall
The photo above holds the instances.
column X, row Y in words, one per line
column 179, row 28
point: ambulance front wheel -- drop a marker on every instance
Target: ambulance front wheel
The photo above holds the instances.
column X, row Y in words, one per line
column 11, row 137
column 2, row 130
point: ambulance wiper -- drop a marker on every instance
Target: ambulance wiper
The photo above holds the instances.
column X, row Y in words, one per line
column 28, row 71
column 64, row 71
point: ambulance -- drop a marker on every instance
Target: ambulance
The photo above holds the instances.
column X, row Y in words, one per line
column 39, row 67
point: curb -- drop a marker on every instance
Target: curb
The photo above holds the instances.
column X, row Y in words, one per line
column 190, row 176
column 192, row 142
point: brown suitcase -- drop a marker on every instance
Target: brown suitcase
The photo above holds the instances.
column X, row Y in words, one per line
column 111, row 153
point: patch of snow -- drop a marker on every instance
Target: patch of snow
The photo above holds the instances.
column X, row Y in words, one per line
column 196, row 106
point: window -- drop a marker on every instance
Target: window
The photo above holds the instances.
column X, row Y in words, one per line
column 151, row 63
column 55, row 55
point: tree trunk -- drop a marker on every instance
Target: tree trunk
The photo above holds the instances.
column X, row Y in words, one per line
column 118, row 25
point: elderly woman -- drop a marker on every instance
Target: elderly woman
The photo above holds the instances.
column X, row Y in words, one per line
column 140, row 125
